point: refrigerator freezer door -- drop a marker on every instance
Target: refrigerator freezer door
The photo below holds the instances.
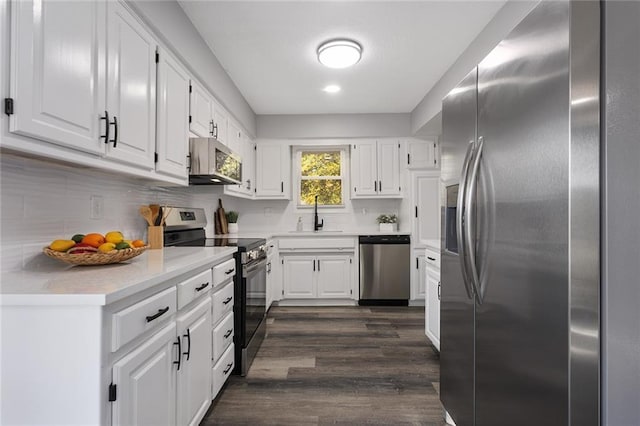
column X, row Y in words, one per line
column 457, row 305
column 522, row 240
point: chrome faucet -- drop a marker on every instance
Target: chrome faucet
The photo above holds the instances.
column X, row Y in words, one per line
column 316, row 225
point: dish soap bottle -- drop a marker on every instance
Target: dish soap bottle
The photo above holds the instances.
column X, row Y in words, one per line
column 299, row 224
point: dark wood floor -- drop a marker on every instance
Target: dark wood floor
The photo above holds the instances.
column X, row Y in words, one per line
column 327, row 365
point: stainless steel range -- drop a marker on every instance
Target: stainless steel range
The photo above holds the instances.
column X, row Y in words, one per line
column 185, row 227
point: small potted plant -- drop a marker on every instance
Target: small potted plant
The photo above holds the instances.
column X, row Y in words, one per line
column 232, row 221
column 388, row 222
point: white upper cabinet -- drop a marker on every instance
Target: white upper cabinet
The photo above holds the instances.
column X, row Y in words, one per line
column 234, row 137
column 131, row 87
column 422, row 154
column 220, row 123
column 57, row 72
column 200, row 111
column 375, row 169
column 273, row 171
column 246, row 148
column 426, row 205
column 173, row 112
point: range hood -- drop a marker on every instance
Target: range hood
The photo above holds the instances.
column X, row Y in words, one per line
column 212, row 163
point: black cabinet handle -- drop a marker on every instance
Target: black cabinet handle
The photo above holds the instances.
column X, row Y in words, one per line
column 229, row 299
column 379, row 186
column 107, row 126
column 431, row 259
column 157, row 315
column 115, row 136
column 416, row 211
column 408, row 158
column 230, row 271
column 439, row 287
column 417, row 263
column 228, row 333
column 228, row 368
column 188, row 336
column 375, row 186
column 282, row 187
column 318, row 265
column 202, row 287
column 179, row 361
column 314, row 265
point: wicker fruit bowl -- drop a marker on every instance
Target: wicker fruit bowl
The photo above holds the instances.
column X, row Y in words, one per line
column 97, row 258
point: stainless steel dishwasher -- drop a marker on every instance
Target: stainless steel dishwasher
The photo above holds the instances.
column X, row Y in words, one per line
column 385, row 275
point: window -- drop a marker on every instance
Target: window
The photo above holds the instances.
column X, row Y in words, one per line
column 321, row 173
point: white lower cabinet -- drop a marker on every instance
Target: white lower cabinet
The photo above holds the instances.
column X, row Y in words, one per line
column 145, row 379
column 317, row 277
column 193, row 379
column 432, row 297
column 418, row 277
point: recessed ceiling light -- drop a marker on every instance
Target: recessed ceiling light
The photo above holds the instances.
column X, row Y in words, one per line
column 339, row 53
column 332, row 88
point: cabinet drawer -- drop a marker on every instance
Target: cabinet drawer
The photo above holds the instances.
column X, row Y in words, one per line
column 223, row 272
column 221, row 370
column 222, row 302
column 222, row 336
column 317, row 243
column 194, row 287
column 432, row 257
column 131, row 322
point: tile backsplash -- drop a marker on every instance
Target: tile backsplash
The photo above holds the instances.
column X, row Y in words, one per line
column 41, row 201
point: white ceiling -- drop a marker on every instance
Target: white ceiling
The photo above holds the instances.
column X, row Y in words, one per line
column 269, row 50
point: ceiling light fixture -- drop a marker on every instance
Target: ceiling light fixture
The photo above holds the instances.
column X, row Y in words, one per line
column 332, row 88
column 340, row 53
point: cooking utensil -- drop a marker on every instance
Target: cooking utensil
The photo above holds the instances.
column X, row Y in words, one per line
column 155, row 213
column 145, row 212
column 165, row 213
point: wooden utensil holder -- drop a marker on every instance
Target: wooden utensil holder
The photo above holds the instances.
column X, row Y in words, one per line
column 156, row 237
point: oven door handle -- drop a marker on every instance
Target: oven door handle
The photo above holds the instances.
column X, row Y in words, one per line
column 249, row 269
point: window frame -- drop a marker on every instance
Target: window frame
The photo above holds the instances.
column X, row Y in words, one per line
column 344, row 174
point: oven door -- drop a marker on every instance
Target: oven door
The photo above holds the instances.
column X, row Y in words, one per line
column 254, row 284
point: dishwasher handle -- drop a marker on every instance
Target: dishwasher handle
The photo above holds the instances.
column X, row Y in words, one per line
column 384, row 239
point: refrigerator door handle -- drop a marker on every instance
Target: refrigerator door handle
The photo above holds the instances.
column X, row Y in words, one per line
column 469, row 229
column 460, row 225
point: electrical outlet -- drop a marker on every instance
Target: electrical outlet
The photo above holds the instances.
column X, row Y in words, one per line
column 364, row 211
column 97, row 207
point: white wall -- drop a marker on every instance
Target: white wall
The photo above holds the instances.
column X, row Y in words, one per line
column 333, row 126
column 504, row 21
column 168, row 20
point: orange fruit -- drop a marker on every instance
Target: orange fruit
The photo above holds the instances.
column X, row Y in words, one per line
column 138, row 243
column 94, row 240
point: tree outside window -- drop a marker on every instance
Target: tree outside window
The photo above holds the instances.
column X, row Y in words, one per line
column 321, row 175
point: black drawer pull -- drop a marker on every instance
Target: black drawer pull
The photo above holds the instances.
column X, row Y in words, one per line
column 188, row 336
column 228, row 368
column 159, row 314
column 431, row 258
column 229, row 299
column 202, row 287
column 230, row 271
column 228, row 333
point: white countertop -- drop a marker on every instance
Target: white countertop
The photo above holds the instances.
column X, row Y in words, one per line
column 56, row 283
column 327, row 233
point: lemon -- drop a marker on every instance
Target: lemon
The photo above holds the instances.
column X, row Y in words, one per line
column 114, row 237
column 107, row 247
column 62, row 245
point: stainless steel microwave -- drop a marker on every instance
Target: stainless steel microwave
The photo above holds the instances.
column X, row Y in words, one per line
column 212, row 163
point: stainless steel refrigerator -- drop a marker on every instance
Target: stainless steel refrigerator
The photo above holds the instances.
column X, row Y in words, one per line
column 520, row 240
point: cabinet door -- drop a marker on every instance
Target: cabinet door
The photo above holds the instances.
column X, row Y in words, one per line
column 200, row 111
column 131, row 88
column 426, row 214
column 432, row 307
column 57, row 77
column 273, row 169
column 234, row 138
column 334, row 277
column 194, row 377
column 419, row 277
column 145, row 380
column 422, row 154
column 249, row 166
column 220, row 123
column 388, row 168
column 364, row 176
column 173, row 116
column 299, row 274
